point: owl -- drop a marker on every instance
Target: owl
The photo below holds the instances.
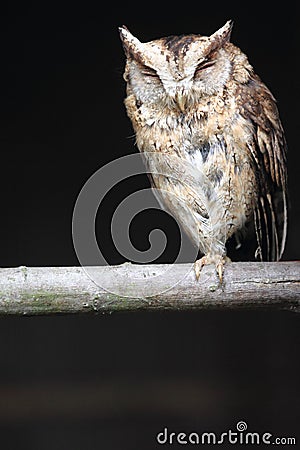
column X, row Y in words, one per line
column 217, row 144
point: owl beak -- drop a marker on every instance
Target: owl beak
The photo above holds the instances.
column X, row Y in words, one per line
column 180, row 99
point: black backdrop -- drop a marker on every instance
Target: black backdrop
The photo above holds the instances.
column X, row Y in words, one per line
column 113, row 382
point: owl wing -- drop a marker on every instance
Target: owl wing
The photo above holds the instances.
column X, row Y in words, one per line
column 267, row 149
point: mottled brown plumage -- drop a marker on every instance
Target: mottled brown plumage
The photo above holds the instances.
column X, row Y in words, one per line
column 213, row 142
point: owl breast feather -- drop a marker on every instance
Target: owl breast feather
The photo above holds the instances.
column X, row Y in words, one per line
column 197, row 186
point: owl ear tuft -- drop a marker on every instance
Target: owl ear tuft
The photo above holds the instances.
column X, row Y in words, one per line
column 221, row 36
column 131, row 45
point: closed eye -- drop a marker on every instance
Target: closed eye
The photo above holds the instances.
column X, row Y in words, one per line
column 149, row 72
column 204, row 65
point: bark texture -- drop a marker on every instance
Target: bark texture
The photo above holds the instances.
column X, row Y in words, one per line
column 66, row 290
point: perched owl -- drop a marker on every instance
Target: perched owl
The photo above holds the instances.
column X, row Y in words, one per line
column 196, row 100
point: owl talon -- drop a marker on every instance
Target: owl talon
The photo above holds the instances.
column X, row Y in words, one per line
column 220, row 267
column 218, row 261
column 198, row 265
column 220, row 270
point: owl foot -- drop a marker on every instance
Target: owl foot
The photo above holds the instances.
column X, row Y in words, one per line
column 217, row 260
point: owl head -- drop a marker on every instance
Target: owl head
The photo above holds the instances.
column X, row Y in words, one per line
column 175, row 71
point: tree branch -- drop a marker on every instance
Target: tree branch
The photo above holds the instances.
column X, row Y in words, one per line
column 64, row 290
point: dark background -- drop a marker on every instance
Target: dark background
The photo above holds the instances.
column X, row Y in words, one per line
column 114, row 382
